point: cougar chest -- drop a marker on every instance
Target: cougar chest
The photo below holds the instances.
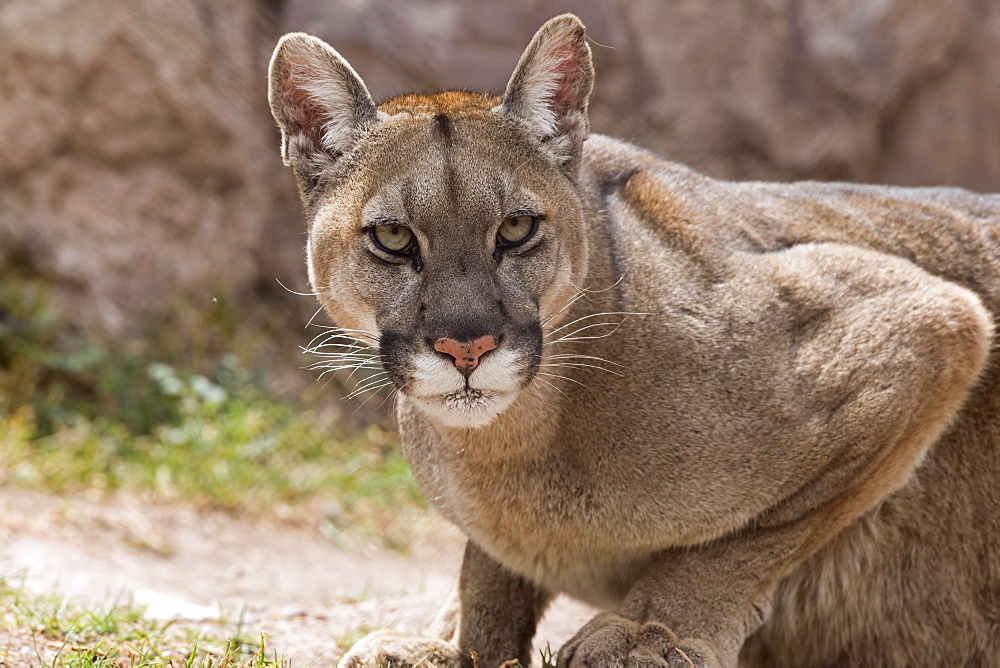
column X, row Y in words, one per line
column 537, row 518
column 519, row 505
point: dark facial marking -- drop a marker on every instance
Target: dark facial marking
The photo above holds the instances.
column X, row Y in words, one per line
column 450, row 180
column 395, row 351
column 445, row 126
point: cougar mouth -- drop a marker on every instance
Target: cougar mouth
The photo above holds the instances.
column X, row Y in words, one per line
column 467, row 407
column 467, row 398
column 456, row 399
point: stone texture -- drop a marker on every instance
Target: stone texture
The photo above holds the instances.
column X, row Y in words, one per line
column 138, row 155
column 898, row 91
column 138, row 160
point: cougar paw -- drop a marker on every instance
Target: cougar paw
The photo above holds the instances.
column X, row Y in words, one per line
column 386, row 648
column 612, row 640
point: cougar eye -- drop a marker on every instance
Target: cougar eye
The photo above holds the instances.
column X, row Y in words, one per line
column 515, row 230
column 394, row 239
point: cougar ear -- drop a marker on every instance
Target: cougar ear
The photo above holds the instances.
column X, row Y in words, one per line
column 551, row 86
column 318, row 100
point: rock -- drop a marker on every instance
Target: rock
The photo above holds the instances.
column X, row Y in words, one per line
column 138, row 161
column 163, row 607
column 820, row 88
column 895, row 91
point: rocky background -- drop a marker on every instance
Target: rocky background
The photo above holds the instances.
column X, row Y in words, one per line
column 139, row 164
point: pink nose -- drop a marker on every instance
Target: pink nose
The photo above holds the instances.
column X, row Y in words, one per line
column 466, row 354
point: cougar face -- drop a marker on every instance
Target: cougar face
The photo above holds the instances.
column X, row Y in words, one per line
column 446, row 229
column 453, row 256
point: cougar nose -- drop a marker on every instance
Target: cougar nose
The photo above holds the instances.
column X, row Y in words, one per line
column 466, row 354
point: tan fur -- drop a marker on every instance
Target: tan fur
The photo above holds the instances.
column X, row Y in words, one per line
column 790, row 454
column 450, row 103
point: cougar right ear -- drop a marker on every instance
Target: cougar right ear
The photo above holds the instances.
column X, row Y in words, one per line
column 318, row 100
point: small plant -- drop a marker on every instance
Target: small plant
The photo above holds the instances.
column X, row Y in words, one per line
column 65, row 635
column 81, row 415
column 548, row 657
column 78, row 415
column 352, row 635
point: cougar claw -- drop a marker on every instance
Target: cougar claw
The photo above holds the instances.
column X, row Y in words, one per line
column 613, row 640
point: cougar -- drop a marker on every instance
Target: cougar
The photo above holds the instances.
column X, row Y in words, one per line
column 754, row 423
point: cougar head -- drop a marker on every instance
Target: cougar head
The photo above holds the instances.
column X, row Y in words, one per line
column 446, row 228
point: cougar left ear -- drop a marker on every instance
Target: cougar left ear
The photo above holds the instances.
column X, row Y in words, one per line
column 319, row 102
column 551, row 86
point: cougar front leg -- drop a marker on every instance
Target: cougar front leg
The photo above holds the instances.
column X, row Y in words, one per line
column 692, row 607
column 492, row 615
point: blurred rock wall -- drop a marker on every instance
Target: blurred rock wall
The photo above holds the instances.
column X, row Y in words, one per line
column 137, row 156
column 897, row 91
column 138, row 159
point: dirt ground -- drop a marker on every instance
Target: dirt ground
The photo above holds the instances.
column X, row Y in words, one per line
column 289, row 582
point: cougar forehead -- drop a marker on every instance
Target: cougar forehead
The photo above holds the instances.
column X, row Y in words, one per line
column 449, row 104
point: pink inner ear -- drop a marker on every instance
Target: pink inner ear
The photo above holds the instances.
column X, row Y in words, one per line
column 300, row 107
column 567, row 95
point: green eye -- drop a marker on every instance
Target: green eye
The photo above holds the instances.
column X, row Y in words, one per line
column 394, row 239
column 516, row 230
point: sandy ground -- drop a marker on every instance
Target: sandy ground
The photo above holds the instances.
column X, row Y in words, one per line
column 289, row 582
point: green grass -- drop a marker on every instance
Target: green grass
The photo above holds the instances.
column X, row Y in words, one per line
column 80, row 415
column 70, row 636
column 184, row 416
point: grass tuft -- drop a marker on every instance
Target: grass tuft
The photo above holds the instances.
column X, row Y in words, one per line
column 176, row 421
column 80, row 416
column 64, row 635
